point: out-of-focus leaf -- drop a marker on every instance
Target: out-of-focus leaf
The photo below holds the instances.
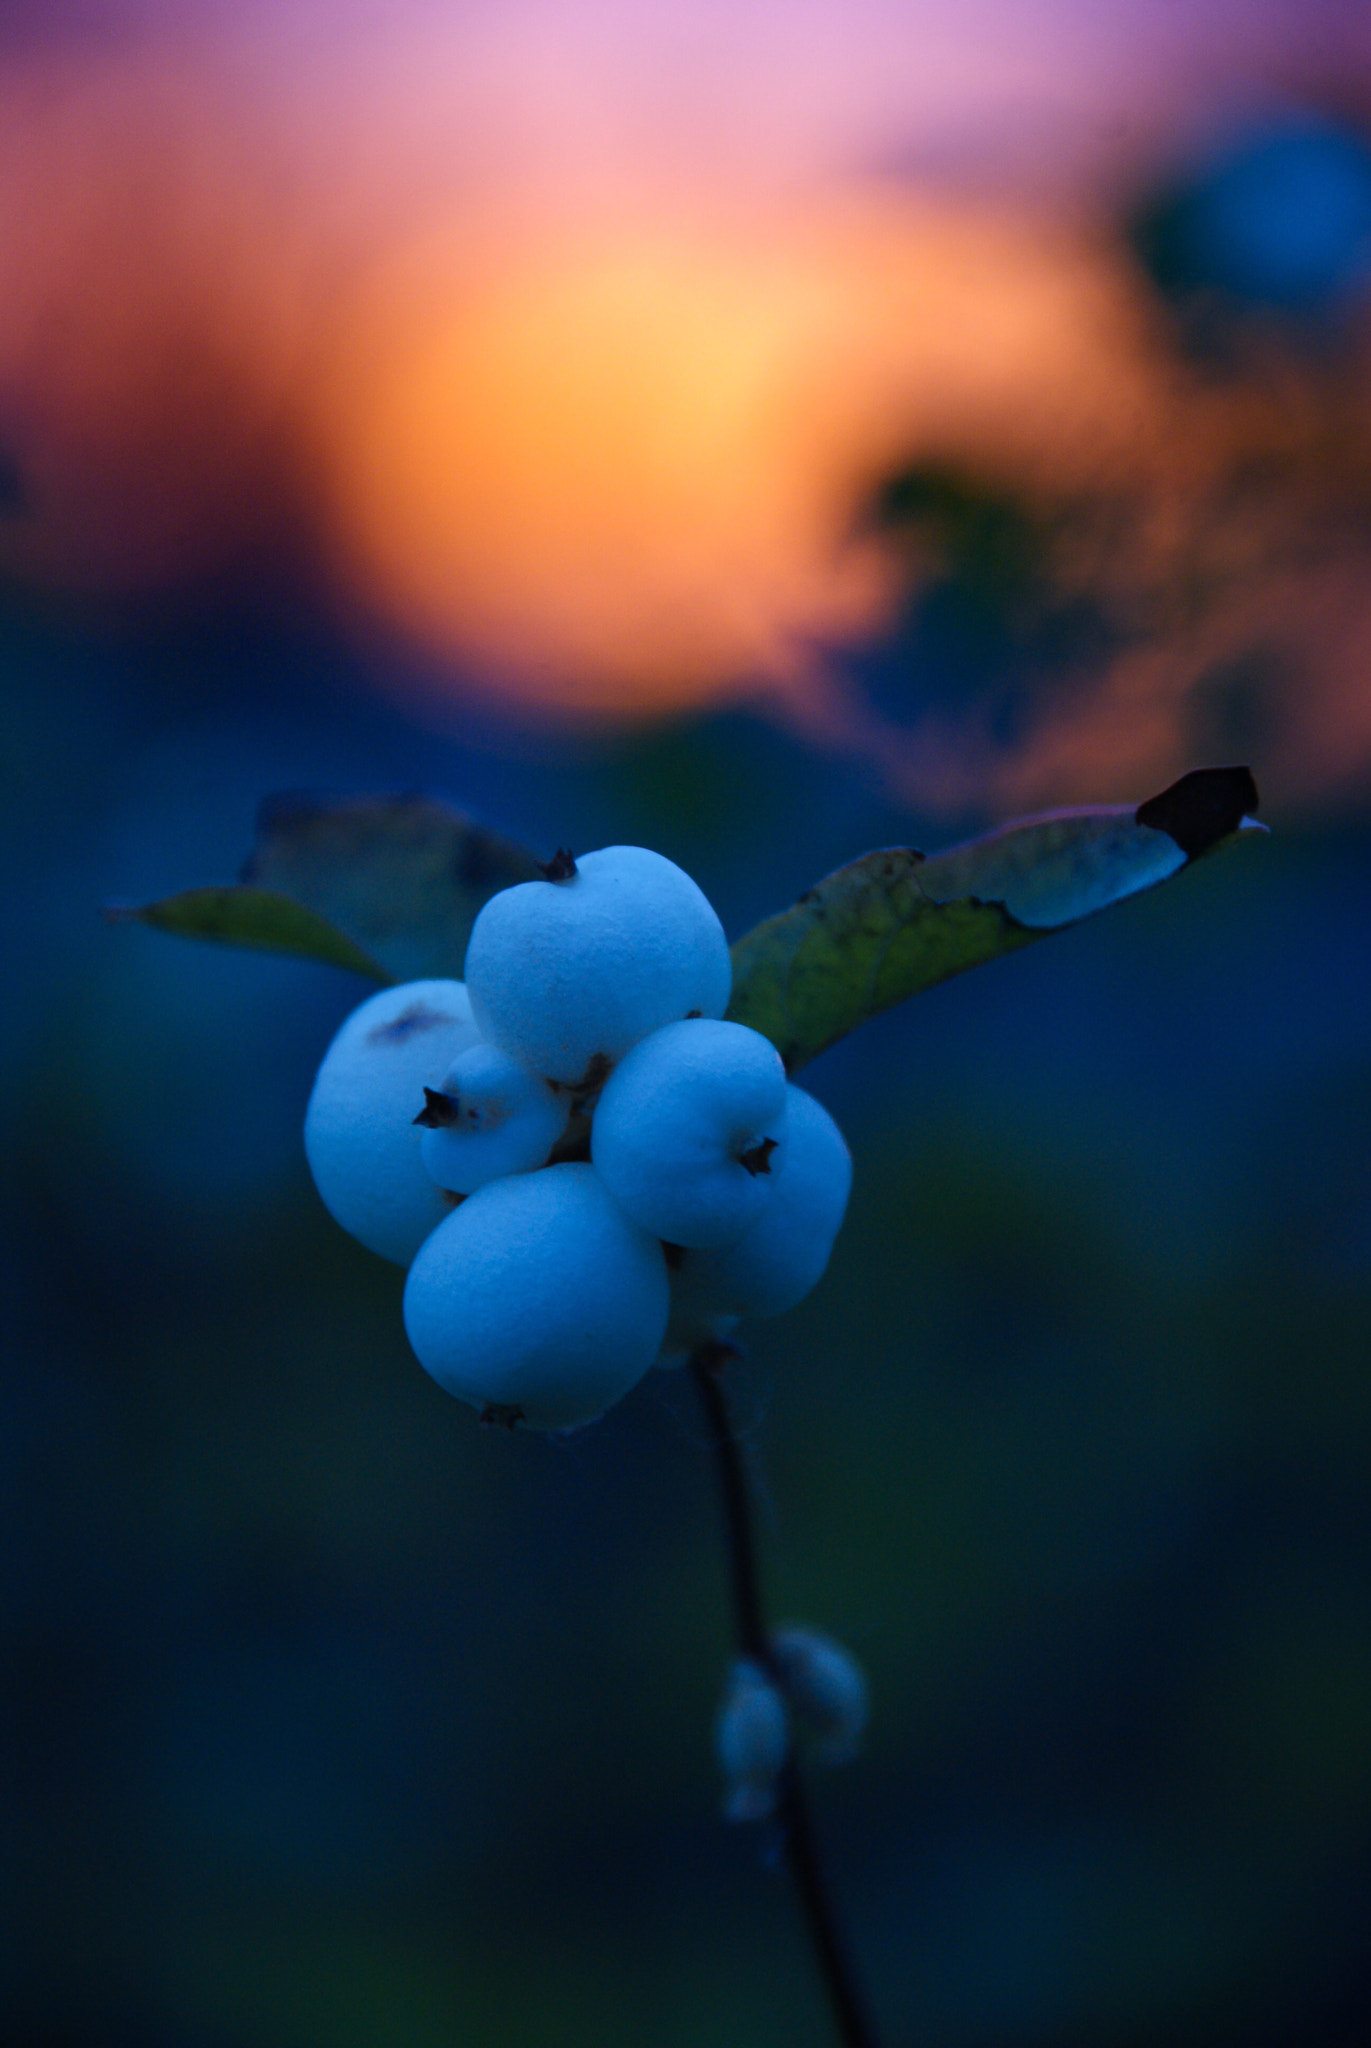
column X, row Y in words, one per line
column 390, row 887
column 251, row 917
column 387, row 885
column 402, row 876
column 893, row 923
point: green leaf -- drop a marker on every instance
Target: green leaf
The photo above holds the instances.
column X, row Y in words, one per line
column 251, row 917
column 386, row 885
column 892, row 924
column 390, row 887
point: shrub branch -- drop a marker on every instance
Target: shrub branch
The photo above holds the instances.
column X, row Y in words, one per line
column 853, row 2022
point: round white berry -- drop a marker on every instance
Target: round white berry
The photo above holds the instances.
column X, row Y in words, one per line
column 360, row 1140
column 566, row 975
column 490, row 1117
column 776, row 1262
column 538, row 1300
column 690, row 1131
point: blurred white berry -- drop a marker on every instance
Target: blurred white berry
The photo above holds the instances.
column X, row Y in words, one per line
column 360, row 1140
column 489, row 1118
column 752, row 1736
column 776, row 1262
column 566, row 975
column 538, row 1300
column 825, row 1686
column 690, row 1132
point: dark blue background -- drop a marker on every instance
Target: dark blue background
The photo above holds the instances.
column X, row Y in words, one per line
column 337, row 1720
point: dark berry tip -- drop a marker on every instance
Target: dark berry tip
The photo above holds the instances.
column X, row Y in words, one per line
column 561, row 868
column 438, row 1111
column 501, row 1415
column 758, row 1158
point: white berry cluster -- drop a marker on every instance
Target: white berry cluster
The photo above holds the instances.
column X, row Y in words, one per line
column 692, row 1182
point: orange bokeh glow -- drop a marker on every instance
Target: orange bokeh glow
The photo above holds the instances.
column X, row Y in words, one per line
column 597, row 434
column 620, row 469
column 612, row 473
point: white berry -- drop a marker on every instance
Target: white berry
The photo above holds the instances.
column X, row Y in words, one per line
column 690, row 1131
column 566, row 975
column 490, row 1117
column 538, row 1300
column 776, row 1262
column 360, row 1140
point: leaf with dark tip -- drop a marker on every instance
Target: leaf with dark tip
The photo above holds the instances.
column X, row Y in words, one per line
column 401, row 876
column 892, row 923
column 1203, row 808
column 251, row 917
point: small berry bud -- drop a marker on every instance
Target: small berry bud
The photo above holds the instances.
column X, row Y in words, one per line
column 826, row 1687
column 752, row 1735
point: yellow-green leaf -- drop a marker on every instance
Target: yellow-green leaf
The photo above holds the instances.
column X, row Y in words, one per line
column 387, row 885
column 892, row 923
column 262, row 918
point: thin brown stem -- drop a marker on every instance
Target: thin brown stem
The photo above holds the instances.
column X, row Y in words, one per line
column 854, row 2025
